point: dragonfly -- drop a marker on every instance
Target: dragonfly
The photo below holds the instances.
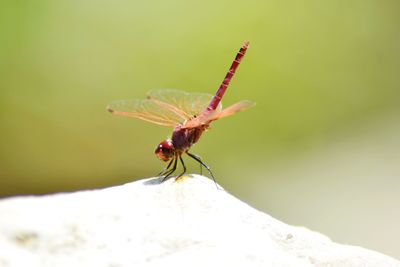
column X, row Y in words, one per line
column 189, row 114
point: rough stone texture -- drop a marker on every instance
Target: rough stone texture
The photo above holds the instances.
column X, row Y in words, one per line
column 177, row 223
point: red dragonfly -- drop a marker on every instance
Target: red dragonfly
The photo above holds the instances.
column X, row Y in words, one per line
column 190, row 114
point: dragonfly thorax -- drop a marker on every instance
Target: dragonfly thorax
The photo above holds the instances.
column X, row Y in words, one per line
column 165, row 150
column 184, row 138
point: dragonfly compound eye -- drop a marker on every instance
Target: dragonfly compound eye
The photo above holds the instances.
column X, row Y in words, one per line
column 165, row 150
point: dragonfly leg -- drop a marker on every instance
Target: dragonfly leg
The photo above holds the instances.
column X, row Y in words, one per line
column 166, row 168
column 171, row 171
column 184, row 167
column 198, row 159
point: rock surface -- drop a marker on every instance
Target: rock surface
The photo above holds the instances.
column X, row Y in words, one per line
column 176, row 223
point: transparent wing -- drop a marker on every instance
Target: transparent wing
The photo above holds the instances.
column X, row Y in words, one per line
column 215, row 115
column 237, row 107
column 190, row 103
column 149, row 110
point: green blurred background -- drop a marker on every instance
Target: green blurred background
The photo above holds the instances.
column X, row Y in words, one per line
column 320, row 149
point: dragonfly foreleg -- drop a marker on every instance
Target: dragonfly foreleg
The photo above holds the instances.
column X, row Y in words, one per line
column 171, row 171
column 165, row 169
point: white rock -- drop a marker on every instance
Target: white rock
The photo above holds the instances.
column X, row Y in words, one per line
column 145, row 223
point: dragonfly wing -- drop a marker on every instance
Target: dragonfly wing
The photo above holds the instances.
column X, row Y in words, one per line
column 192, row 104
column 147, row 110
column 235, row 108
column 214, row 115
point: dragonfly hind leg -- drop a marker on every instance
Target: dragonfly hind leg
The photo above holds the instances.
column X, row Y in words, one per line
column 198, row 159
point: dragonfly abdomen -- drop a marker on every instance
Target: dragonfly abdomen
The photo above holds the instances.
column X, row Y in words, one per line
column 224, row 85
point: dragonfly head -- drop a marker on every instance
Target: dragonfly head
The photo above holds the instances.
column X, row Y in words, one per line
column 165, row 150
